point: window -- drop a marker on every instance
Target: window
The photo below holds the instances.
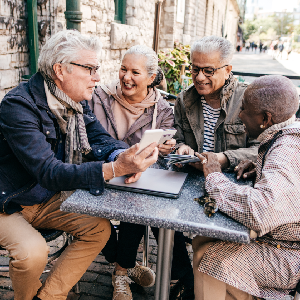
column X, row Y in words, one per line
column 120, row 11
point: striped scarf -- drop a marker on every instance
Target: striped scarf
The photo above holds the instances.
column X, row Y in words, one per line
column 69, row 116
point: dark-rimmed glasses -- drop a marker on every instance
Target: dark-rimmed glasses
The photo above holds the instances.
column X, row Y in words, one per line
column 93, row 70
column 207, row 71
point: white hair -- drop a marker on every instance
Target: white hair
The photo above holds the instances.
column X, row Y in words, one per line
column 209, row 44
column 65, row 47
column 275, row 94
column 149, row 53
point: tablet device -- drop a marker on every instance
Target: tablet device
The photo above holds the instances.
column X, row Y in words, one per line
column 180, row 159
column 156, row 182
column 159, row 136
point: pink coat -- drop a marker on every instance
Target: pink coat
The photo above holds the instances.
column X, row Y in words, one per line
column 101, row 106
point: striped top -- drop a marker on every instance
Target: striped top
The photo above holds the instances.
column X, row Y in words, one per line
column 211, row 116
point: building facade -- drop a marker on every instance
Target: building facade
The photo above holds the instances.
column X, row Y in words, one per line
column 120, row 24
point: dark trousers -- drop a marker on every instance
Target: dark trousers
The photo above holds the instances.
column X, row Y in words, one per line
column 124, row 249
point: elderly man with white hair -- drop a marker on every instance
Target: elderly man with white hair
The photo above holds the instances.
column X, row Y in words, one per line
column 46, row 127
column 206, row 113
column 269, row 266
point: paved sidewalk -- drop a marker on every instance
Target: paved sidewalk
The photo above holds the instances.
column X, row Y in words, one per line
column 96, row 282
column 263, row 63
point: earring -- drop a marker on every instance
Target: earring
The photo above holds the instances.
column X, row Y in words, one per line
column 262, row 126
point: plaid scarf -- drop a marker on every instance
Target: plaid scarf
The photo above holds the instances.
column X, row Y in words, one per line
column 69, row 116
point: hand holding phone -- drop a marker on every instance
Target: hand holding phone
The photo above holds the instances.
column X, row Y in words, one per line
column 159, row 136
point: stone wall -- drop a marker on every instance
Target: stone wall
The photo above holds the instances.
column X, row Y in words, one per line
column 202, row 17
column 98, row 19
column 13, row 44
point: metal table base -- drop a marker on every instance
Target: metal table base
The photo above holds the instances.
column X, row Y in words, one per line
column 164, row 263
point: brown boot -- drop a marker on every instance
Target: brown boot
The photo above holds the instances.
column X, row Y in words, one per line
column 141, row 275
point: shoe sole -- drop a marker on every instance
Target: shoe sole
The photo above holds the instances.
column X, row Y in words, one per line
column 149, row 285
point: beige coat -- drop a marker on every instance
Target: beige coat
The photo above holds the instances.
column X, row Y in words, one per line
column 101, row 106
column 230, row 135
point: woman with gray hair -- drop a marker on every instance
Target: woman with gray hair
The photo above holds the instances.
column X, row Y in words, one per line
column 267, row 267
column 126, row 108
column 206, row 113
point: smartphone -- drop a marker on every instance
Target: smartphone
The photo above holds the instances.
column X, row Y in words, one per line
column 159, row 136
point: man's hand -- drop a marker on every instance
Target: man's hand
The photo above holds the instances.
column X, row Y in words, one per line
column 247, row 168
column 210, row 163
column 129, row 162
column 133, row 177
column 185, row 150
column 167, row 147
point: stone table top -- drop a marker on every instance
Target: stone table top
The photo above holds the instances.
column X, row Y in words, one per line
column 182, row 214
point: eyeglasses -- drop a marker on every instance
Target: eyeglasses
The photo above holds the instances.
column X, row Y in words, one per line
column 207, row 71
column 93, row 70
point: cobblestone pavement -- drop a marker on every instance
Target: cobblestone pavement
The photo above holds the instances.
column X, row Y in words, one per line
column 96, row 282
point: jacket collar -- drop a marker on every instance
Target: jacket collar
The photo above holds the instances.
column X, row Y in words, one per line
column 268, row 133
column 37, row 90
column 142, row 121
column 191, row 95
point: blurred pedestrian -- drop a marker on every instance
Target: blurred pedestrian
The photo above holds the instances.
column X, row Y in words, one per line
column 280, row 49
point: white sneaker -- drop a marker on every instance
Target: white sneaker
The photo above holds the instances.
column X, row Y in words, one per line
column 120, row 282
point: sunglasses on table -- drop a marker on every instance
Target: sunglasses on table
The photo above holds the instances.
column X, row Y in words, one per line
column 93, row 70
column 207, row 71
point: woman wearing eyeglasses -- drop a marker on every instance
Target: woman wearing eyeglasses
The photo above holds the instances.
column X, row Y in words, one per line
column 206, row 113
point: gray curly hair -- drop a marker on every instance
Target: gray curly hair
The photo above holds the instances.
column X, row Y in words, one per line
column 150, row 54
column 65, row 47
column 275, row 94
column 209, row 44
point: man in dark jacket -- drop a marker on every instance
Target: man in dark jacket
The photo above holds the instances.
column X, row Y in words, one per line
column 46, row 127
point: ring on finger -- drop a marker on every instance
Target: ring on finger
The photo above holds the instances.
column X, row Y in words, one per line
column 204, row 161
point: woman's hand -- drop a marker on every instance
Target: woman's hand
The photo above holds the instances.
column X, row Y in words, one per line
column 184, row 150
column 245, row 168
column 167, row 147
column 210, row 163
column 223, row 160
column 198, row 164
